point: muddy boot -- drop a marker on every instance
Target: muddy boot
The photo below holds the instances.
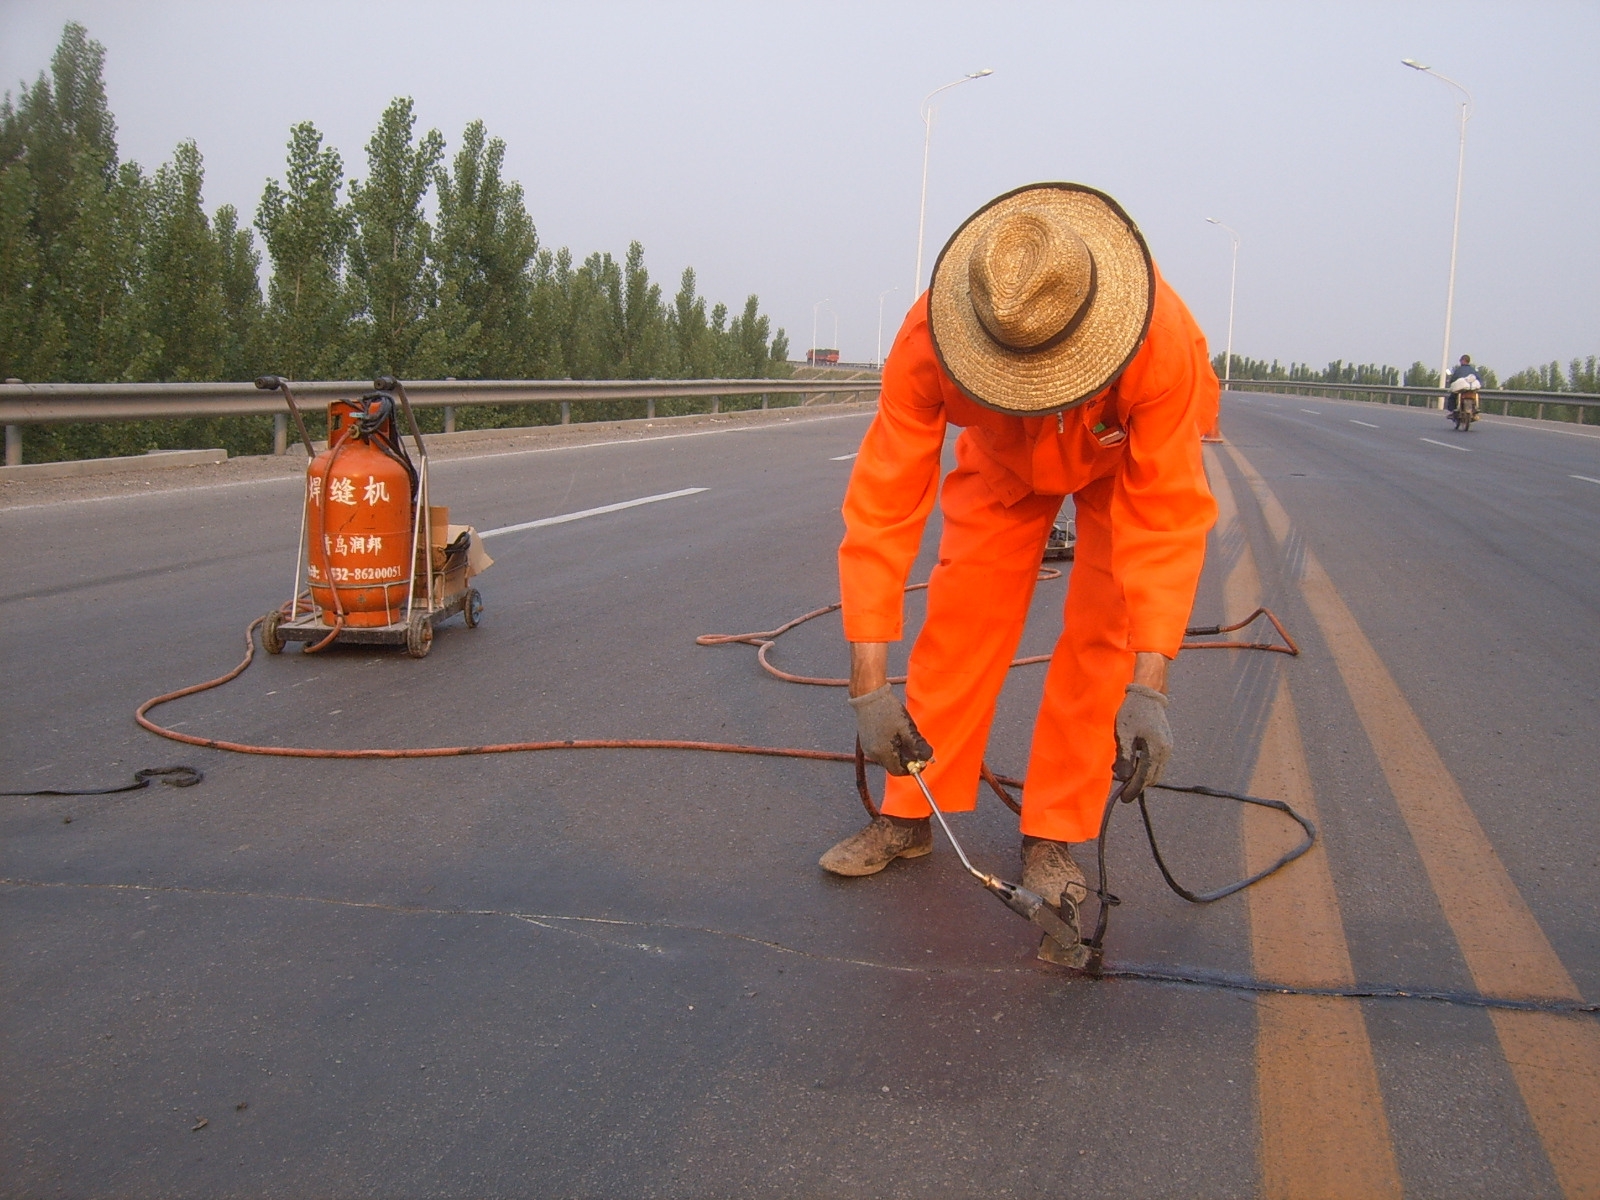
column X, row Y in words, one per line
column 1049, row 871
column 879, row 844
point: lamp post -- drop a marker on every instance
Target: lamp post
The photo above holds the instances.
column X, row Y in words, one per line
column 1455, row 228
column 812, row 353
column 881, row 295
column 1214, row 434
column 1233, row 287
column 927, row 111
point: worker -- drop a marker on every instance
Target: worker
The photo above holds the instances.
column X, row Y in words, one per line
column 1071, row 367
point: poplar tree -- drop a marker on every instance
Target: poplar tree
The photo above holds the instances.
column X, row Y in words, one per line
column 72, row 219
column 641, row 330
column 239, row 272
column 747, row 342
column 483, row 248
column 696, row 353
column 32, row 339
column 307, row 233
column 394, row 281
column 182, row 315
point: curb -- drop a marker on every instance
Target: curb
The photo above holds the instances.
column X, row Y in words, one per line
column 152, row 460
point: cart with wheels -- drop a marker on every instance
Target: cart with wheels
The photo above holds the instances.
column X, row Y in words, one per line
column 444, row 559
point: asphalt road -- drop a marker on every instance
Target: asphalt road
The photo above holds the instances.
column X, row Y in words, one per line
column 622, row 974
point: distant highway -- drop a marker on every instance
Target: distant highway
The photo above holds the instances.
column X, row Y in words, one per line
column 604, row 973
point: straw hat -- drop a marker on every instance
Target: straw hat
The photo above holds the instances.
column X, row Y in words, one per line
column 1041, row 298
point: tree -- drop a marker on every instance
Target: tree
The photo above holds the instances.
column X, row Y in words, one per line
column 483, row 246
column 1584, row 375
column 76, row 251
column 32, row 338
column 1544, row 378
column 394, row 281
column 642, row 335
column 307, row 232
column 239, row 268
column 696, row 353
column 183, row 318
column 1419, row 374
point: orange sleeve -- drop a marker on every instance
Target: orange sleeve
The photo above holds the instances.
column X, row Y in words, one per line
column 892, row 486
column 1162, row 508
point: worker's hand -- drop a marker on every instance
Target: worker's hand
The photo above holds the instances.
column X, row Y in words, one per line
column 1142, row 725
column 888, row 735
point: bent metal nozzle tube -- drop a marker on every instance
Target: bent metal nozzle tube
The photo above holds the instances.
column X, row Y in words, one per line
column 1030, row 906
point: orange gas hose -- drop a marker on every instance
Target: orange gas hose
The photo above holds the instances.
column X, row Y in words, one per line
column 763, row 640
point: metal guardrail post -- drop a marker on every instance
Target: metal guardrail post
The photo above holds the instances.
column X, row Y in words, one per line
column 280, row 433
column 566, row 412
column 716, row 404
column 449, row 418
column 650, row 409
column 13, row 440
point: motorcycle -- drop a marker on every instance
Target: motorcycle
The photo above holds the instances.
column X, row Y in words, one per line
column 1465, row 410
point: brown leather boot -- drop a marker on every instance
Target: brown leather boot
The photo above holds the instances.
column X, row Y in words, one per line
column 878, row 845
column 1049, row 871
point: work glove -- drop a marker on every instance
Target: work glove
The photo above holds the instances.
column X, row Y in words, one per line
column 888, row 735
column 1142, row 725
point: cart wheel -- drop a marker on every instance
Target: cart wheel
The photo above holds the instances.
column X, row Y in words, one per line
column 472, row 610
column 419, row 635
column 271, row 641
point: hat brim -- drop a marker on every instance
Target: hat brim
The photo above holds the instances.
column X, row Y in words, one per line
column 1088, row 360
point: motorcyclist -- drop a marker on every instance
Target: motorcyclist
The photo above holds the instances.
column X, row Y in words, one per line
column 1464, row 371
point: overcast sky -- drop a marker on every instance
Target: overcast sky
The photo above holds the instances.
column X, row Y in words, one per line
column 776, row 147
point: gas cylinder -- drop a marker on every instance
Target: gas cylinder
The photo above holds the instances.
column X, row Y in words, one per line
column 360, row 509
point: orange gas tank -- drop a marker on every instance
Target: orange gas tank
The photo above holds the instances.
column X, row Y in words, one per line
column 360, row 508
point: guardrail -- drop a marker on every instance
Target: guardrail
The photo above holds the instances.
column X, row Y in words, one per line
column 1384, row 391
column 56, row 403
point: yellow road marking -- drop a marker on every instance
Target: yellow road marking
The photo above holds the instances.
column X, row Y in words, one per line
column 1554, row 1060
column 1324, row 1131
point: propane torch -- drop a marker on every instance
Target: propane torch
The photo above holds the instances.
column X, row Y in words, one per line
column 1029, row 905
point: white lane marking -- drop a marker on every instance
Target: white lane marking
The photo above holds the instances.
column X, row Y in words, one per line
column 1368, row 424
column 1315, row 412
column 1520, row 423
column 298, row 477
column 589, row 512
column 1446, row 445
column 844, row 457
column 1585, row 478
column 786, row 423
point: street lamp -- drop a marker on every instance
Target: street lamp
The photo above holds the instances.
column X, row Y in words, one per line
column 927, row 137
column 1214, row 434
column 1233, row 285
column 812, row 354
column 1455, row 229
column 881, row 295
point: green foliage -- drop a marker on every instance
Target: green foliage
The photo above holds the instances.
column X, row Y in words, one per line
column 1337, row 371
column 182, row 319
column 307, row 231
column 1582, row 375
column 393, row 281
column 238, row 269
column 1419, row 374
column 484, row 246
column 109, row 275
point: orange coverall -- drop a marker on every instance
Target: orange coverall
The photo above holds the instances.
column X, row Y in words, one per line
column 1143, row 510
